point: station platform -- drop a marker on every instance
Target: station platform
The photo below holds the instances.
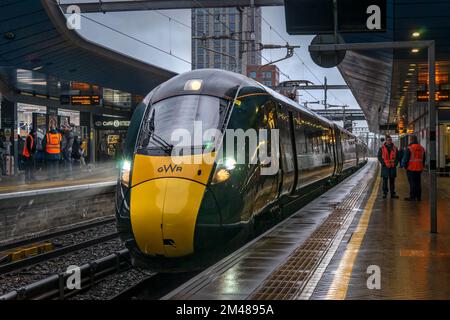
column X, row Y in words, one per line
column 100, row 173
column 347, row 244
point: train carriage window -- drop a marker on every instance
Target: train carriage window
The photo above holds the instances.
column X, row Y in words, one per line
column 299, row 130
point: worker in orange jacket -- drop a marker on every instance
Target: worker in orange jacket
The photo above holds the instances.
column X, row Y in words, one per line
column 52, row 146
column 414, row 163
column 388, row 158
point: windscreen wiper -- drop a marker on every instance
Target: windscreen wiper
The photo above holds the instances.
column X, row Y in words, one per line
column 163, row 144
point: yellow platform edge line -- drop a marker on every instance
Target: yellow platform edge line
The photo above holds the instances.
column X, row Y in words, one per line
column 339, row 286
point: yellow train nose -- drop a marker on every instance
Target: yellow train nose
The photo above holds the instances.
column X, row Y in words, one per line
column 163, row 214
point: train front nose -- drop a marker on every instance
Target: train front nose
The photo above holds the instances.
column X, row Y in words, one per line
column 163, row 215
column 165, row 202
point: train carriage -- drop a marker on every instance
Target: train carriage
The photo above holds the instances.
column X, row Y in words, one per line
column 175, row 209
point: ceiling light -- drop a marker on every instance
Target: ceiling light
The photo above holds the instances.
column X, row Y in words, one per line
column 37, row 68
column 416, row 34
column 415, row 50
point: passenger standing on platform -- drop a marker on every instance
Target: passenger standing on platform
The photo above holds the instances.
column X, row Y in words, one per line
column 414, row 163
column 66, row 149
column 52, row 147
column 2, row 155
column 388, row 157
column 76, row 151
column 29, row 149
column 40, row 155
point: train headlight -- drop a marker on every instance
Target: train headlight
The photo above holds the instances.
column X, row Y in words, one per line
column 193, row 85
column 230, row 164
column 223, row 170
column 125, row 173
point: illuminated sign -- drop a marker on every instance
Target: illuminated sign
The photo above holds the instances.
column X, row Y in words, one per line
column 102, row 122
column 423, row 95
column 84, row 100
column 81, row 100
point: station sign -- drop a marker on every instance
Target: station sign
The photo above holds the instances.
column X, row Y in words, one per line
column 440, row 95
column 110, row 123
column 85, row 100
column 81, row 100
column 308, row 17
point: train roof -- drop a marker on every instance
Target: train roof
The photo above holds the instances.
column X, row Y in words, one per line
column 223, row 83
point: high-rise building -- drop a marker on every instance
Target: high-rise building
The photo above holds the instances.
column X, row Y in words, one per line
column 267, row 75
column 224, row 22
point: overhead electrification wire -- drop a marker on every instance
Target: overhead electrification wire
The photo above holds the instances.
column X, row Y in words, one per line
column 133, row 37
column 258, row 53
column 299, row 58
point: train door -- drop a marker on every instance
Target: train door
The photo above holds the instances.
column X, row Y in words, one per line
column 338, row 150
column 266, row 185
column 287, row 153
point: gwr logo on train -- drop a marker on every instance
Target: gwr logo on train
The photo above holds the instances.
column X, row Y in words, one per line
column 170, row 168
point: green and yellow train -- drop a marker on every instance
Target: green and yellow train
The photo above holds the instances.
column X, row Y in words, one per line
column 176, row 212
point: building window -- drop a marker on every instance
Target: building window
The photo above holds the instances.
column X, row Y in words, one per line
column 217, row 45
column 267, row 74
column 252, row 74
column 216, row 26
column 217, row 59
column 267, row 83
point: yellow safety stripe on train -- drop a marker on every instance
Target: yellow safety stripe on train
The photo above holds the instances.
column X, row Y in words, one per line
column 195, row 167
column 165, row 201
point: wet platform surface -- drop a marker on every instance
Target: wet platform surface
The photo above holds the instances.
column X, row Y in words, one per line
column 413, row 263
column 242, row 274
column 352, row 230
column 101, row 173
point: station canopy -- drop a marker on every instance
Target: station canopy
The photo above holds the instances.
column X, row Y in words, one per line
column 386, row 82
column 34, row 37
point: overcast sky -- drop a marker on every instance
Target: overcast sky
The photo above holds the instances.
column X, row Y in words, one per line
column 154, row 29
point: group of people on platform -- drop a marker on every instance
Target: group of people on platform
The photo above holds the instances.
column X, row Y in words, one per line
column 411, row 158
column 55, row 147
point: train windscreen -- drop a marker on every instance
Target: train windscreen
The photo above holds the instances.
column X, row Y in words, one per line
column 186, row 122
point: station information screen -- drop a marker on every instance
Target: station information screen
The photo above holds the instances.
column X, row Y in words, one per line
column 440, row 95
column 84, row 100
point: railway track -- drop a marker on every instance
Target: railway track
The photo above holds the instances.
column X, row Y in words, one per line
column 75, row 246
column 58, row 235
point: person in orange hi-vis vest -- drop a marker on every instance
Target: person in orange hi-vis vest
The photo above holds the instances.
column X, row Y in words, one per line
column 388, row 158
column 414, row 163
column 29, row 149
column 52, row 148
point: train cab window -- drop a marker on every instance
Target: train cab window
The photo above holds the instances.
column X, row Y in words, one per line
column 173, row 121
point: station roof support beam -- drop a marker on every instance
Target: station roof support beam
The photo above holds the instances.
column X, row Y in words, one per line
column 121, row 6
column 431, row 137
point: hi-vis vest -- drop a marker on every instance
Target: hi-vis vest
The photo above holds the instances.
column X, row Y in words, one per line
column 416, row 157
column 25, row 151
column 53, row 143
column 389, row 158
